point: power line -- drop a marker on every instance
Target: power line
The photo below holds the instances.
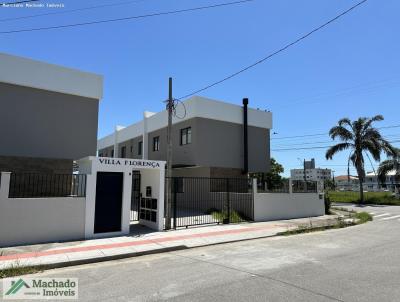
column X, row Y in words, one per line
column 327, row 133
column 278, row 51
column 395, row 136
column 318, row 147
column 128, row 18
column 18, row 2
column 344, row 93
column 71, row 10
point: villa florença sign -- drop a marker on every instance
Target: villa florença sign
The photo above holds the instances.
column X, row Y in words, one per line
column 129, row 162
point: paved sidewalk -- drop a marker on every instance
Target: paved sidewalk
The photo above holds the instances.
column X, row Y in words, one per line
column 144, row 242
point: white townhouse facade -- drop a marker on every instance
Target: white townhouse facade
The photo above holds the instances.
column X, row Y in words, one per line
column 210, row 139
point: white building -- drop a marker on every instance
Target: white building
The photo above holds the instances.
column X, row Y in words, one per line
column 372, row 184
column 315, row 174
column 310, row 173
column 209, row 139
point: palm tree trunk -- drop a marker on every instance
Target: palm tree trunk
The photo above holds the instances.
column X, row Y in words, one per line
column 361, row 192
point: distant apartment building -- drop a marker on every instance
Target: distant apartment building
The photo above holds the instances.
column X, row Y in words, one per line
column 310, row 172
column 49, row 115
column 208, row 138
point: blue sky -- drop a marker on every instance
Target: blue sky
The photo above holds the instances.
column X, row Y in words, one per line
column 349, row 69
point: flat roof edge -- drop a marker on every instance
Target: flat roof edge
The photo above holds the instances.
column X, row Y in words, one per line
column 41, row 75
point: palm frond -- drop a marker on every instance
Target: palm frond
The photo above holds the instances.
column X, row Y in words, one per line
column 345, row 121
column 376, row 118
column 336, row 148
column 341, row 132
column 372, row 146
column 385, row 167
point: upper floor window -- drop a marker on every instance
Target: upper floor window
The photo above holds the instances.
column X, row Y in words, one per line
column 131, row 150
column 123, row 152
column 140, row 146
column 112, row 153
column 156, row 143
column 186, row 136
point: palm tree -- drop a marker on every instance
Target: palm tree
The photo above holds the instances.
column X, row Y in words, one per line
column 391, row 164
column 359, row 137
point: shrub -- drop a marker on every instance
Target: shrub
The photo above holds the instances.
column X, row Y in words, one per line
column 328, row 204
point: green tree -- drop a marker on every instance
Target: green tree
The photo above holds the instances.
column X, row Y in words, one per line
column 329, row 184
column 391, row 164
column 359, row 137
column 273, row 177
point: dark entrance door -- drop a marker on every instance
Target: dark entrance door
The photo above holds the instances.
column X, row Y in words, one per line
column 135, row 198
column 108, row 210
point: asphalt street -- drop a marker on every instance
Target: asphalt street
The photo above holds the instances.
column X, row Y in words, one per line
column 360, row 263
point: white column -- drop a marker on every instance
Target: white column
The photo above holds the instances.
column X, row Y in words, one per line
column 160, row 206
column 90, row 204
column 4, row 185
column 145, row 151
column 290, row 186
column 255, row 189
column 116, row 140
column 126, row 202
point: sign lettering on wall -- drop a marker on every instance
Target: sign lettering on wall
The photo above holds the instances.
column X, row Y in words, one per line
column 129, row 162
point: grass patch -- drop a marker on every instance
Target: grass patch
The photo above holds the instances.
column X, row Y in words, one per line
column 362, row 217
column 19, row 270
column 235, row 217
column 379, row 198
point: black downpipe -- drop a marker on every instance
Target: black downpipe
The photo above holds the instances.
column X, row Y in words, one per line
column 245, row 138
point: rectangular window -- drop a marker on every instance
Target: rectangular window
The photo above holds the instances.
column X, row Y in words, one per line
column 123, row 152
column 140, row 146
column 131, row 150
column 112, row 153
column 186, row 136
column 156, row 143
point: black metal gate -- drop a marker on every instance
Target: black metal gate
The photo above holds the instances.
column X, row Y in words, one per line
column 108, row 207
column 135, row 196
column 201, row 200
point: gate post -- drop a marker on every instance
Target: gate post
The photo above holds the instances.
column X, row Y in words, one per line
column 227, row 218
column 175, row 190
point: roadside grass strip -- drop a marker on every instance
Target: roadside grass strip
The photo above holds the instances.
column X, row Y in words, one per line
column 19, row 270
column 358, row 218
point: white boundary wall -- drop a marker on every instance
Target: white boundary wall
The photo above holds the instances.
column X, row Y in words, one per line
column 276, row 206
column 38, row 220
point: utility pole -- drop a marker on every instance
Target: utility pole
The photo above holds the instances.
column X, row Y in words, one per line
column 304, row 166
column 168, row 210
